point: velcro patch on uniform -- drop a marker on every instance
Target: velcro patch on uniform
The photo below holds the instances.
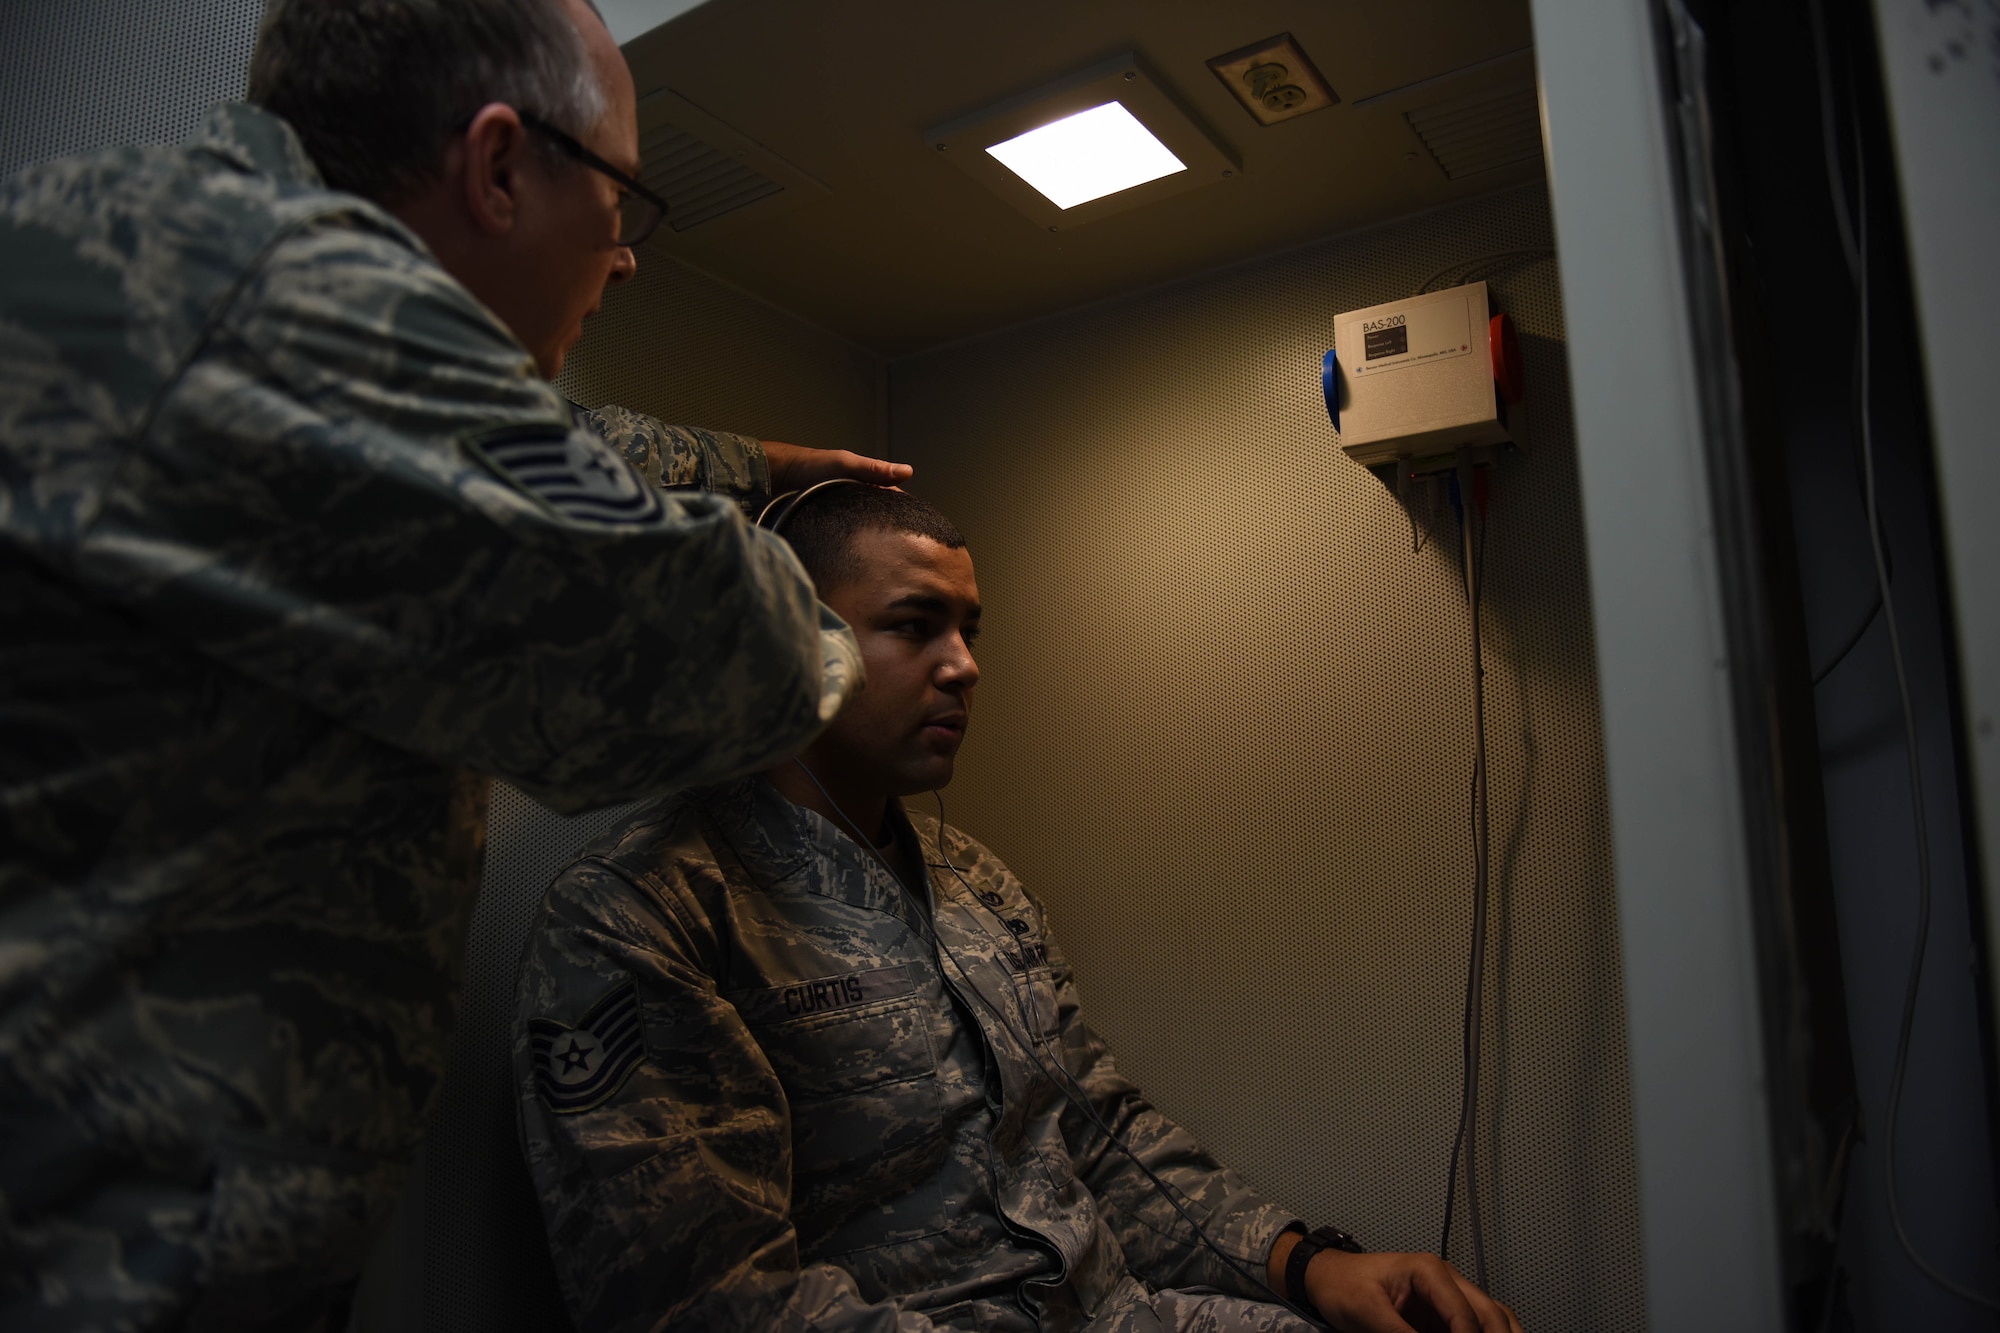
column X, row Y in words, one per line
column 582, row 1067
column 572, row 471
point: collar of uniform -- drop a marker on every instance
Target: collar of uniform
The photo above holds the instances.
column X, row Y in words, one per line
column 253, row 139
column 781, row 844
column 930, row 836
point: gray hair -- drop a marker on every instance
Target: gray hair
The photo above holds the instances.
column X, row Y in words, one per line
column 376, row 89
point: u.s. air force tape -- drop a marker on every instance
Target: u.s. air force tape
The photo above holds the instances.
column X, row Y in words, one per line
column 578, row 1068
column 573, row 472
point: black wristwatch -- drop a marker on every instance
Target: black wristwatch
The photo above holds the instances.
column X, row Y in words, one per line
column 1310, row 1244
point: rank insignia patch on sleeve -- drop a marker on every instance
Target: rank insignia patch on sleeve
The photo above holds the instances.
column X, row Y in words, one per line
column 578, row 1068
column 571, row 471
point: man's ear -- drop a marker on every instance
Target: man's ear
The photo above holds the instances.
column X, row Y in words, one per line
column 495, row 148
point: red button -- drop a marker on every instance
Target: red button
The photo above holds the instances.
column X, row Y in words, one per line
column 1508, row 372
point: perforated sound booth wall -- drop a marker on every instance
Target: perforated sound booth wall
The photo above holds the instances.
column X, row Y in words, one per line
column 1224, row 730
column 78, row 75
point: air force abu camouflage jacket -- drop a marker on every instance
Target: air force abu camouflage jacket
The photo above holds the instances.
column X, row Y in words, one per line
column 291, row 537
column 755, row 1097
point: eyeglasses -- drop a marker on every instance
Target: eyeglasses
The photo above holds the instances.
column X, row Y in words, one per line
column 640, row 211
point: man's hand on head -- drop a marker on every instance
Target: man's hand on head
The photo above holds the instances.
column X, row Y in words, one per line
column 794, row 467
column 1395, row 1293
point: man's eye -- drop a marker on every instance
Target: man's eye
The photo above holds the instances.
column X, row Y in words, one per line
column 970, row 634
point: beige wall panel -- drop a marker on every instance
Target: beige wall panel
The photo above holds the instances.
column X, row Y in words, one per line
column 696, row 351
column 1225, row 732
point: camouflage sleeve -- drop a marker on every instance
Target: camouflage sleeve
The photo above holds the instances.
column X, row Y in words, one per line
column 1158, row 1244
column 674, row 457
column 359, row 493
column 657, row 1133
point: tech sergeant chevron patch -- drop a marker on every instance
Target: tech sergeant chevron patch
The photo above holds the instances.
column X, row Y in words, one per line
column 571, row 471
column 577, row 1068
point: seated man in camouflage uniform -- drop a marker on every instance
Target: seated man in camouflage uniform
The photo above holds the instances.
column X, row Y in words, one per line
column 790, row 1057
column 296, row 539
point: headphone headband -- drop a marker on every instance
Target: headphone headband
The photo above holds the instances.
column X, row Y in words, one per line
column 775, row 514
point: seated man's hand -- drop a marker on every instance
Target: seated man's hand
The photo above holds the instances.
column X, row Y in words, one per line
column 1398, row 1293
column 793, row 467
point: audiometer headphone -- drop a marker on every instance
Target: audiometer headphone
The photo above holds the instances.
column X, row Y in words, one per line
column 773, row 516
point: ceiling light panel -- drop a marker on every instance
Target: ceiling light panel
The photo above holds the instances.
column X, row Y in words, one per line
column 1102, row 141
column 1087, row 156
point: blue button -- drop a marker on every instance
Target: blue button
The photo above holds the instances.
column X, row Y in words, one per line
column 1329, row 380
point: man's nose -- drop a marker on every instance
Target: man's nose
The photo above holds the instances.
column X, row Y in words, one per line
column 623, row 265
column 959, row 670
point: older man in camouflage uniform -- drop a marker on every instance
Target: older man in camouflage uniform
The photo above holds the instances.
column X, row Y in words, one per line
column 295, row 537
column 790, row 1058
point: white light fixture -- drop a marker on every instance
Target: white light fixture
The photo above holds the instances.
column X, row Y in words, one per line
column 1105, row 140
column 1087, row 156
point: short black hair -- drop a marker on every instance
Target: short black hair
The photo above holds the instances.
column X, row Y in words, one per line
column 376, row 89
column 823, row 527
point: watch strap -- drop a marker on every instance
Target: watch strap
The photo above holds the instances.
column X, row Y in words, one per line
column 1302, row 1255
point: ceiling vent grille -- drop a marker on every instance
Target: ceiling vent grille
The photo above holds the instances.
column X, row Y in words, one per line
column 699, row 181
column 1497, row 129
